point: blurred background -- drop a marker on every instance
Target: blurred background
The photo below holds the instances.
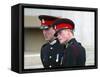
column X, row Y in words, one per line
column 33, row 37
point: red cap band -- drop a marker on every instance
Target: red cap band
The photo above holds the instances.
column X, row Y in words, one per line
column 46, row 23
column 63, row 25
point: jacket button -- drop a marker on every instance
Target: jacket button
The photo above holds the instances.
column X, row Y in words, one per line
column 51, row 48
column 50, row 66
column 50, row 57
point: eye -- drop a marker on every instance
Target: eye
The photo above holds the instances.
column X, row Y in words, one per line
column 60, row 32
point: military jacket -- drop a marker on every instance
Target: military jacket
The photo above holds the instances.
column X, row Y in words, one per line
column 51, row 54
column 74, row 54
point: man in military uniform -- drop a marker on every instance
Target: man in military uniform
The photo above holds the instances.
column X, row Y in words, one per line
column 51, row 52
column 74, row 53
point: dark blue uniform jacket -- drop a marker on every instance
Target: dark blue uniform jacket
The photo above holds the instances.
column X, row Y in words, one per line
column 51, row 54
column 74, row 54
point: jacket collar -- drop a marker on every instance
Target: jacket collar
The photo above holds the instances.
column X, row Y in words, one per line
column 70, row 42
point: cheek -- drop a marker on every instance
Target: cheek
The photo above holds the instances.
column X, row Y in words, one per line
column 51, row 33
column 64, row 37
column 46, row 32
column 61, row 38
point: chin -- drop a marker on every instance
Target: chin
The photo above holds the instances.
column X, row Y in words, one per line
column 47, row 39
column 61, row 42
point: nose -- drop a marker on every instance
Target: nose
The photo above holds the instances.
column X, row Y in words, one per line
column 58, row 36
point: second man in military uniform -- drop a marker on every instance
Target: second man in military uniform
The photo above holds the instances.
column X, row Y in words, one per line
column 74, row 52
column 51, row 52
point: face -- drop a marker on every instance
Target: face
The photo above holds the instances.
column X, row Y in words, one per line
column 49, row 34
column 63, row 36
